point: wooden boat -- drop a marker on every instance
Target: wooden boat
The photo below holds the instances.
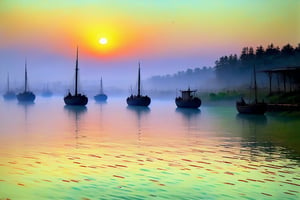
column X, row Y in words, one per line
column 77, row 99
column 188, row 99
column 9, row 95
column 101, row 97
column 256, row 107
column 26, row 96
column 138, row 100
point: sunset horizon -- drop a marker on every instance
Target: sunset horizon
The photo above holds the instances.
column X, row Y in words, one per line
column 166, row 37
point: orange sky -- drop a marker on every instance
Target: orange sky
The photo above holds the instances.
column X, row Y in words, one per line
column 173, row 34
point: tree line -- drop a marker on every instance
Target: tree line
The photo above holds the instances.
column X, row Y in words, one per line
column 233, row 69
column 183, row 79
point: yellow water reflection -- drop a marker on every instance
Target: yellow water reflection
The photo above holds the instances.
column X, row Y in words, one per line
column 112, row 151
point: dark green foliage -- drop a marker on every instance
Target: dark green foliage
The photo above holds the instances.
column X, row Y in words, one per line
column 284, row 98
column 233, row 71
column 225, row 95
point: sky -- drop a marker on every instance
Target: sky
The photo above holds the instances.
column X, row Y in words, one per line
column 165, row 36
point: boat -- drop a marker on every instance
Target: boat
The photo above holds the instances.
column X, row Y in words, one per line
column 188, row 99
column 138, row 100
column 46, row 92
column 101, row 97
column 255, row 107
column 77, row 99
column 9, row 95
column 26, row 96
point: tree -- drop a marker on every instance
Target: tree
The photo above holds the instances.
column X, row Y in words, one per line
column 287, row 50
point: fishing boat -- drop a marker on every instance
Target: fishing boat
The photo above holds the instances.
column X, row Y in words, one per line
column 188, row 99
column 9, row 95
column 101, row 97
column 26, row 96
column 138, row 100
column 77, row 99
column 256, row 107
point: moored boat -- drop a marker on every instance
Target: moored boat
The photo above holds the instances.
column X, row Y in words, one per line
column 255, row 107
column 9, row 94
column 101, row 97
column 47, row 92
column 138, row 100
column 77, row 99
column 26, row 96
column 188, row 99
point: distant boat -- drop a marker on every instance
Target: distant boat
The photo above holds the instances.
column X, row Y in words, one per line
column 257, row 108
column 138, row 100
column 26, row 96
column 77, row 99
column 188, row 99
column 47, row 92
column 101, row 96
column 9, row 95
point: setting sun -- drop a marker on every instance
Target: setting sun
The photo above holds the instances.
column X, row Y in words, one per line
column 103, row 41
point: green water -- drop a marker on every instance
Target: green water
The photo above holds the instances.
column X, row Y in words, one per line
column 110, row 151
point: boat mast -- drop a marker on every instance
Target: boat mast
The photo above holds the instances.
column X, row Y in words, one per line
column 139, row 81
column 25, row 75
column 7, row 82
column 255, row 85
column 76, row 73
column 101, row 86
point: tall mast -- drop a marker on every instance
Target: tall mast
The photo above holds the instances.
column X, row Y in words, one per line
column 76, row 73
column 25, row 75
column 139, row 81
column 101, row 86
column 7, row 82
column 255, row 86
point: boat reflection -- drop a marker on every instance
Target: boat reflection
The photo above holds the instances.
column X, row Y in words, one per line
column 139, row 112
column 76, row 112
column 252, row 119
column 26, row 105
column 254, row 138
column 101, row 102
column 190, row 118
column 188, row 113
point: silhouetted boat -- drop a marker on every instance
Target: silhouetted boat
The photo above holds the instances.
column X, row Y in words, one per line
column 9, row 95
column 138, row 100
column 26, row 96
column 188, row 100
column 101, row 96
column 257, row 108
column 77, row 99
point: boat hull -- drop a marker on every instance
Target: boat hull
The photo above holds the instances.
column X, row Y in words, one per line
column 47, row 94
column 254, row 109
column 100, row 97
column 79, row 100
column 9, row 96
column 138, row 101
column 189, row 103
column 26, row 97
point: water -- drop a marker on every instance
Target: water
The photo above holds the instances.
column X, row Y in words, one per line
column 110, row 151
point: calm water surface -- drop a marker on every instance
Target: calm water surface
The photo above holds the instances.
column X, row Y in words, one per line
column 111, row 151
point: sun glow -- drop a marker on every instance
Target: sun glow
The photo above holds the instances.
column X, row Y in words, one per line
column 103, row 41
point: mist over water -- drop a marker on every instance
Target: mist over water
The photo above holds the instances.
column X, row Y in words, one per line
column 52, row 151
